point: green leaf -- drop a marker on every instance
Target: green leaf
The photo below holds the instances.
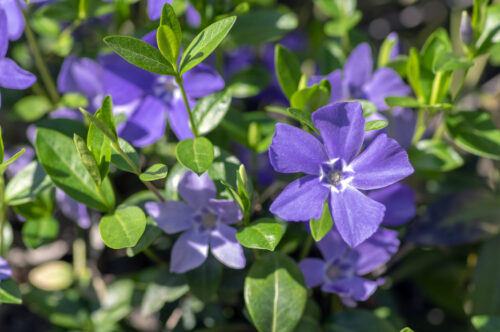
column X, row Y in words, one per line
column 434, row 156
column 485, row 323
column 42, row 206
column 210, row 110
column 264, row 234
column 205, row 43
column 449, row 61
column 155, row 172
column 31, row 108
column 407, row 102
column 320, row 227
column 26, row 185
column 103, row 126
column 435, row 45
column 60, row 159
column 9, row 292
column 118, row 161
column 375, row 125
column 275, row 294
column 74, row 100
column 406, row 329
column 140, row 54
column 99, row 145
column 384, row 53
column 245, row 189
column 205, row 280
column 169, row 18
column 287, row 70
column 8, row 162
column 196, row 154
column 151, row 233
column 87, row 159
column 357, row 320
column 413, row 73
column 249, row 82
column 2, row 148
column 172, row 183
column 168, row 44
column 124, row 228
column 475, row 132
column 37, row 233
column 302, row 116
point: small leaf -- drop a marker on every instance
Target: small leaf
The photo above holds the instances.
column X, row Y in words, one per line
column 261, row 234
column 449, row 61
column 8, row 162
column 9, row 292
column 320, row 227
column 413, row 73
column 196, row 154
column 31, row 108
column 287, row 70
column 398, row 101
column 244, row 187
column 210, row 110
column 375, row 125
column 120, row 162
column 168, row 44
column 52, row 276
column 87, row 159
column 99, row 145
column 37, row 233
column 169, row 18
column 205, row 43
column 101, row 125
column 434, row 156
column 302, row 116
column 155, row 172
column 124, row 228
column 26, row 185
column 140, row 54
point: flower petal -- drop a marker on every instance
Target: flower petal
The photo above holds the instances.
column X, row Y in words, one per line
column 226, row 248
column 293, row 150
column 360, row 289
column 13, row 77
column 313, row 270
column 301, row 200
column 342, row 127
column 376, row 251
column 335, row 79
column 171, row 216
column 4, row 37
column 384, row 83
column 5, row 270
column 227, row 211
column 196, row 189
column 202, row 80
column 189, row 251
column 358, row 68
column 402, row 126
column 399, row 201
column 178, row 118
column 332, row 245
column 15, row 19
column 155, row 7
column 381, row 164
column 355, row 215
column 73, row 210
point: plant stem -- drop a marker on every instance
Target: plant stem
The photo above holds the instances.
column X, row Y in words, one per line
column 40, row 64
column 137, row 172
column 153, row 256
column 420, row 127
column 2, row 214
column 178, row 79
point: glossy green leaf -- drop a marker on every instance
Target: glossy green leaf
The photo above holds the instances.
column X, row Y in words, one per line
column 41, row 206
column 320, row 227
column 140, row 54
column 434, row 156
column 449, row 61
column 205, row 43
column 124, row 228
column 119, row 161
column 375, row 125
column 302, row 116
column 275, row 294
column 26, row 185
column 9, row 292
column 31, row 108
column 168, row 44
column 37, row 233
column 384, row 53
column 99, row 144
column 60, row 159
column 357, row 320
column 264, row 234
column 155, row 172
column 245, row 189
column 475, row 132
column 205, row 280
column 413, row 73
column 210, row 110
column 287, row 70
column 196, row 154
column 485, row 323
column 169, row 18
column 105, row 123
column 87, row 159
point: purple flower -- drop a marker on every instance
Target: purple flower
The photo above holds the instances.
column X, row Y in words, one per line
column 335, row 171
column 204, row 221
column 11, row 75
column 73, row 210
column 256, row 164
column 155, row 6
column 399, row 201
column 5, row 270
column 397, row 49
column 356, row 80
column 341, row 267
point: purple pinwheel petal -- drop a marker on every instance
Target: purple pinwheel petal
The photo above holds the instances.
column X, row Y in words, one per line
column 355, row 215
column 4, row 37
column 81, row 75
column 402, row 126
column 202, row 80
column 358, row 70
column 376, row 251
column 226, row 248
column 385, row 82
column 227, row 211
column 342, row 127
column 196, row 190
column 237, row 60
column 15, row 19
column 301, row 200
column 13, row 77
column 73, row 210
column 360, row 289
column 178, row 117
column 155, row 7
column 332, row 245
column 171, row 216
column 189, row 251
column 293, row 150
column 5, row 270
column 313, row 270
column 147, row 124
column 193, row 18
column 399, row 201
column 381, row 164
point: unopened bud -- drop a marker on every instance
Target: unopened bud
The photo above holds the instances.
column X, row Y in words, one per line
column 466, row 31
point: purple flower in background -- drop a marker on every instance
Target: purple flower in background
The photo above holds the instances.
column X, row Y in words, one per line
column 155, row 6
column 335, row 171
column 5, row 270
column 72, row 209
column 399, row 201
column 256, row 164
column 11, row 75
column 14, row 21
column 204, row 221
column 356, row 80
column 341, row 268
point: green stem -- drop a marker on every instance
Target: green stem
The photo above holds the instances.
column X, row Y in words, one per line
column 153, row 256
column 420, row 127
column 178, row 79
column 2, row 214
column 40, row 64
column 137, row 172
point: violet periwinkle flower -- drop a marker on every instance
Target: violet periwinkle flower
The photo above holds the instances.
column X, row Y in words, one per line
column 399, row 202
column 204, row 221
column 5, row 270
column 11, row 75
column 72, row 209
column 341, row 268
column 335, row 172
column 356, row 80
column 155, row 6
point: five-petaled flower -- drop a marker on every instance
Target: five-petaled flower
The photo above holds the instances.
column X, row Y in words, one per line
column 335, row 171
column 204, row 220
column 341, row 267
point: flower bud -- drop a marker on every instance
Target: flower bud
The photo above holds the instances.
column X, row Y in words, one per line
column 466, row 31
